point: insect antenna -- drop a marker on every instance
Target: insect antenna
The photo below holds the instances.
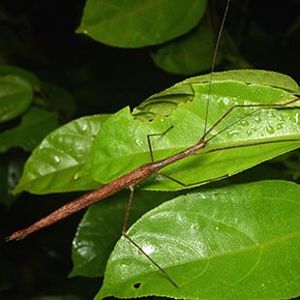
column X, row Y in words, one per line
column 217, row 46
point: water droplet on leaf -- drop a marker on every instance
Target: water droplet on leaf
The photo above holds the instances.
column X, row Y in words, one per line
column 83, row 128
column 244, row 122
column 76, row 176
column 56, row 159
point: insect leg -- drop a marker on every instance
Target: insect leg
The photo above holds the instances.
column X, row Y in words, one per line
column 163, row 272
column 150, row 136
column 124, row 229
column 246, row 106
column 250, row 144
column 194, row 183
column 127, row 212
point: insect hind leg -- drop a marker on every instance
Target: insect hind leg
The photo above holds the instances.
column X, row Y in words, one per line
column 253, row 107
column 124, row 233
column 187, row 185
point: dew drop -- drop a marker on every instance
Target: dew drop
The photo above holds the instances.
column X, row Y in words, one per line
column 83, row 128
column 244, row 122
column 56, row 159
column 76, row 176
column 148, row 249
column 217, row 228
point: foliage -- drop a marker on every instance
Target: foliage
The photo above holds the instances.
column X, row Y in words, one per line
column 231, row 238
column 233, row 242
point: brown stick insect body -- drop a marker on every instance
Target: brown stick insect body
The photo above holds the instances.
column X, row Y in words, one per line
column 128, row 180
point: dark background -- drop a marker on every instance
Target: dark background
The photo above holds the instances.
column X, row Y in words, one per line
column 40, row 36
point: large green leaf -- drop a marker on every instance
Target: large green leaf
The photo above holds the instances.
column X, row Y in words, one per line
column 237, row 242
column 165, row 102
column 112, row 157
column 101, row 227
column 56, row 164
column 35, row 124
column 15, row 96
column 138, row 23
column 189, row 55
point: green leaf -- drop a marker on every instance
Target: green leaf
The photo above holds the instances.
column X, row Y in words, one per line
column 35, row 124
column 237, row 242
column 56, row 164
column 263, row 77
column 191, row 54
column 165, row 102
column 25, row 74
column 15, row 97
column 111, row 158
column 138, row 23
column 101, row 227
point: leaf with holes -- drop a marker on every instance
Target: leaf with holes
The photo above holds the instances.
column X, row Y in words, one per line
column 237, row 242
column 253, row 135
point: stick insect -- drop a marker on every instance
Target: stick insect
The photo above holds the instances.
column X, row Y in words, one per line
column 136, row 176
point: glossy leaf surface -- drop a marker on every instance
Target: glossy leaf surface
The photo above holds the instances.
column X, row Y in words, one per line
column 101, row 227
column 237, row 242
column 138, row 23
column 163, row 103
column 35, row 124
column 111, row 158
column 56, row 164
column 15, row 96
column 188, row 55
